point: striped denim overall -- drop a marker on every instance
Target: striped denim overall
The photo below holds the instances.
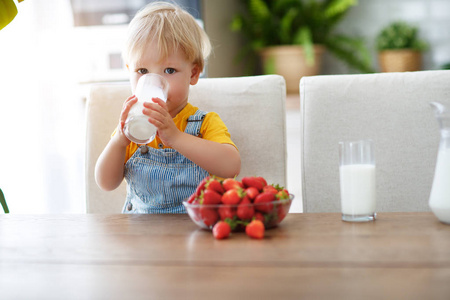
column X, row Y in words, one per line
column 158, row 180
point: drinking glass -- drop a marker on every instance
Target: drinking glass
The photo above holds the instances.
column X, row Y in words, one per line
column 137, row 128
column 357, row 180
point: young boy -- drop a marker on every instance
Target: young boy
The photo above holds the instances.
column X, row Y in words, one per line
column 190, row 144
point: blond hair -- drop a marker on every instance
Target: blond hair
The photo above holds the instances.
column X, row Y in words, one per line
column 171, row 28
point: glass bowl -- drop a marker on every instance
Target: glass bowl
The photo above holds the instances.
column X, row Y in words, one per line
column 270, row 213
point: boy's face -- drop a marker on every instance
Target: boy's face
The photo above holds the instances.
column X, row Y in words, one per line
column 179, row 72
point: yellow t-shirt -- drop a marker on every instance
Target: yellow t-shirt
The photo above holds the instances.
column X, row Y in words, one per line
column 213, row 129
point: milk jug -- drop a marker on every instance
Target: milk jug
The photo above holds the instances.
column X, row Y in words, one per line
column 440, row 191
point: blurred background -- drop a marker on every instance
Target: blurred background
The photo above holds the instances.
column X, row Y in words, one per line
column 54, row 50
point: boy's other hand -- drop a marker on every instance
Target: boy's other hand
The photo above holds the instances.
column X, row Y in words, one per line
column 160, row 117
column 121, row 138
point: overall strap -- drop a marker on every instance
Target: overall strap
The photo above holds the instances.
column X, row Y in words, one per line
column 194, row 123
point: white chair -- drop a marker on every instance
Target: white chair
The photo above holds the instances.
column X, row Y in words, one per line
column 393, row 110
column 253, row 108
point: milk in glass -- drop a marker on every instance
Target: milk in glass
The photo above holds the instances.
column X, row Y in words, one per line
column 358, row 195
column 137, row 127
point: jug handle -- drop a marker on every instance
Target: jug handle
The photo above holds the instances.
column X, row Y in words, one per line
column 438, row 107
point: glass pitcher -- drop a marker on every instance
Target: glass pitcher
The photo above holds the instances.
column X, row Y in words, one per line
column 440, row 191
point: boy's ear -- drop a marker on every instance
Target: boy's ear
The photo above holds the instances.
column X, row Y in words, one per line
column 195, row 74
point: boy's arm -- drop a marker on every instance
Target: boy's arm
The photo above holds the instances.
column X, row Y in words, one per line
column 110, row 166
column 222, row 160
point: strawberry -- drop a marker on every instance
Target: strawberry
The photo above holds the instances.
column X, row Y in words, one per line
column 255, row 229
column 221, row 230
column 263, row 202
column 226, row 212
column 281, row 212
column 232, row 197
column 259, row 216
column 251, row 192
column 209, row 215
column 211, row 197
column 215, row 185
column 245, row 210
column 253, row 181
column 231, row 183
column 201, row 186
column 270, row 188
column 191, row 198
column 283, row 194
column 262, row 180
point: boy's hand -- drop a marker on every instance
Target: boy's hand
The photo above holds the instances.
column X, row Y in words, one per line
column 160, row 117
column 120, row 135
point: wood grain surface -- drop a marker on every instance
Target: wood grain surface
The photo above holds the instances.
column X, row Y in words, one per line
column 310, row 256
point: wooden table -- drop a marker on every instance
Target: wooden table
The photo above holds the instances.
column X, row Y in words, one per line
column 310, row 256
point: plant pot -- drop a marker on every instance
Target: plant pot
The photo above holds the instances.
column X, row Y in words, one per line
column 404, row 60
column 290, row 62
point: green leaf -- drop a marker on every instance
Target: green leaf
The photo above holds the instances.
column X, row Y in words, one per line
column 351, row 50
column 236, row 23
column 259, row 10
column 269, row 66
column 286, row 25
column 303, row 37
column 3, row 202
column 337, row 7
column 8, row 12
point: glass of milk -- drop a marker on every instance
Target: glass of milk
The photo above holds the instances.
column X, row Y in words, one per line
column 357, row 180
column 137, row 128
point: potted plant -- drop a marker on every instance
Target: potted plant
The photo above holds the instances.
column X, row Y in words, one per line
column 399, row 48
column 300, row 30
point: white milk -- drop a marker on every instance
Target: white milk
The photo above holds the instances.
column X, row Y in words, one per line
column 358, row 195
column 138, row 125
column 440, row 191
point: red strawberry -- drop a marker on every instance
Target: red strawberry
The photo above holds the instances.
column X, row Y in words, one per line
column 263, row 202
column 283, row 194
column 191, row 198
column 226, row 212
column 211, row 197
column 209, row 215
column 262, row 180
column 270, row 188
column 221, row 230
column 201, row 186
column 253, row 181
column 245, row 210
column 215, row 185
column 255, row 229
column 281, row 212
column 260, row 216
column 251, row 192
column 232, row 197
column 231, row 183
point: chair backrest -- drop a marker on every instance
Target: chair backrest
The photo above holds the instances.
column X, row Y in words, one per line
column 253, row 108
column 393, row 110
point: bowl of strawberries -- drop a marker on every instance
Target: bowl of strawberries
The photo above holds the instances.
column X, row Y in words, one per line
column 238, row 202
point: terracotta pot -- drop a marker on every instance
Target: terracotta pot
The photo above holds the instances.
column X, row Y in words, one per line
column 403, row 60
column 289, row 61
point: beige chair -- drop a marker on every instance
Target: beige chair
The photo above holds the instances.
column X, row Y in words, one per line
column 390, row 108
column 253, row 108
